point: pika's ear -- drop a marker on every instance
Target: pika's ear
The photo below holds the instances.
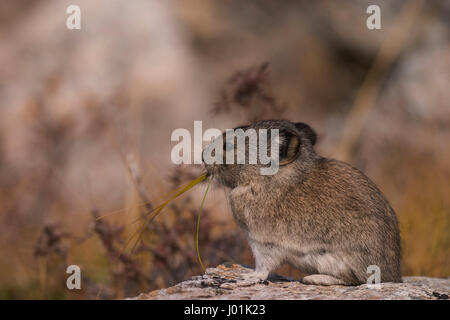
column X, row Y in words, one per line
column 289, row 146
column 307, row 131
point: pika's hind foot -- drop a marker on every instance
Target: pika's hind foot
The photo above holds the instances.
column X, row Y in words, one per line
column 255, row 276
column 322, row 280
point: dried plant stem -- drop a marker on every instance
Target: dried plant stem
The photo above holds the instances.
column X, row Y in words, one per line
column 137, row 179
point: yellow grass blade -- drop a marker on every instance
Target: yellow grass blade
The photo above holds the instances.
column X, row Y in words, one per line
column 141, row 204
column 158, row 210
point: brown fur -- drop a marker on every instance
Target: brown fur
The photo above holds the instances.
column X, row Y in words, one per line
column 320, row 215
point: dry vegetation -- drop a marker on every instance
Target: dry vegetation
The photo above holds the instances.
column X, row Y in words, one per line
column 86, row 118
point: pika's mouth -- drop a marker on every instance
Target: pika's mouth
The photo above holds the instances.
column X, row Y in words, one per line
column 210, row 169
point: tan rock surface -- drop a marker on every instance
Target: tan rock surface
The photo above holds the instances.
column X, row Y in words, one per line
column 225, row 282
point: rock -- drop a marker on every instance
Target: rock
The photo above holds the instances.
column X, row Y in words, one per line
column 225, row 282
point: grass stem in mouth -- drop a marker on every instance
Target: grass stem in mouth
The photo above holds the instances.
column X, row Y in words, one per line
column 201, row 178
column 158, row 210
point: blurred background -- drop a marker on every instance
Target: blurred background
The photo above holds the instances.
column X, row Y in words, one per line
column 86, row 118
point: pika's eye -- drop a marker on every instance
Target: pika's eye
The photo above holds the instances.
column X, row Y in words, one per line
column 228, row 146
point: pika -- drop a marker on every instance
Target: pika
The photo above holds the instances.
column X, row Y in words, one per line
column 319, row 215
